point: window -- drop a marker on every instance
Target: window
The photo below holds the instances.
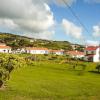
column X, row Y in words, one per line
column 86, row 52
column 4, row 50
column 92, row 52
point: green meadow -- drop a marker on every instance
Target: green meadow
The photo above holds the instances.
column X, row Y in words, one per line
column 49, row 80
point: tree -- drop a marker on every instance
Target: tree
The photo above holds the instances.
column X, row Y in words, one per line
column 24, row 43
column 8, row 62
column 14, row 45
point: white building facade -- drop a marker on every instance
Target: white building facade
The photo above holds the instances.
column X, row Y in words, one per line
column 4, row 48
column 76, row 54
column 92, row 53
column 57, row 52
column 34, row 50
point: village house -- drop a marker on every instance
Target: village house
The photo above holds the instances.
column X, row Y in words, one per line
column 92, row 53
column 35, row 50
column 32, row 50
column 57, row 52
column 19, row 51
column 74, row 46
column 4, row 48
column 75, row 54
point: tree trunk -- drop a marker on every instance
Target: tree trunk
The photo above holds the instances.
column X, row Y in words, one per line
column 1, row 83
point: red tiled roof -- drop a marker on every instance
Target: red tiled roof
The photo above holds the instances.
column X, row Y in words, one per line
column 75, row 53
column 90, row 48
column 35, row 48
column 56, row 50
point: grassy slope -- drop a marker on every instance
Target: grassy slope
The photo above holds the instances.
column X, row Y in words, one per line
column 10, row 39
column 50, row 81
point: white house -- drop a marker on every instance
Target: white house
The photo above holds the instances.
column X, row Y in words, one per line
column 35, row 50
column 4, row 48
column 57, row 52
column 75, row 54
column 92, row 53
column 19, row 50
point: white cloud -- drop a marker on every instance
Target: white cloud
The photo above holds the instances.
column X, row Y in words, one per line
column 44, row 35
column 71, row 29
column 28, row 16
column 92, row 43
column 96, row 30
column 8, row 23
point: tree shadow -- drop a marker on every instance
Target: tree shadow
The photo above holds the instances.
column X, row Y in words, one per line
column 96, row 72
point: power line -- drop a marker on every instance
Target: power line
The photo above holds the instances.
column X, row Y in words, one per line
column 74, row 14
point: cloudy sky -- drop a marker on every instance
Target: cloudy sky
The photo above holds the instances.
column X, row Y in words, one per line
column 52, row 19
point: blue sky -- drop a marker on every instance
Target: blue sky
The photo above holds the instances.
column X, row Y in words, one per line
column 88, row 13
column 51, row 19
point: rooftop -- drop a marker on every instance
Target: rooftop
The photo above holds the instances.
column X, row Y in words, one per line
column 90, row 48
column 3, row 46
column 35, row 48
column 75, row 53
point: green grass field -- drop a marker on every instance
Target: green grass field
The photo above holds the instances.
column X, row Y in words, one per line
column 51, row 81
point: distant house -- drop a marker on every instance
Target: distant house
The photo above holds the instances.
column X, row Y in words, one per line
column 92, row 53
column 75, row 46
column 75, row 54
column 35, row 50
column 19, row 51
column 4, row 48
column 57, row 52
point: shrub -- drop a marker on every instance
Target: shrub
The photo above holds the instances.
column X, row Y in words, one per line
column 8, row 62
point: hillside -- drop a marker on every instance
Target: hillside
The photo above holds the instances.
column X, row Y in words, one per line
column 17, row 41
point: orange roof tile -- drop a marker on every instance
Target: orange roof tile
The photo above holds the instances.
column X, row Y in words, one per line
column 56, row 50
column 5, row 47
column 35, row 48
column 75, row 53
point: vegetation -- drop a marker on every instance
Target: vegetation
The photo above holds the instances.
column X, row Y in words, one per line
column 17, row 41
column 98, row 67
column 80, row 48
column 47, row 77
column 8, row 63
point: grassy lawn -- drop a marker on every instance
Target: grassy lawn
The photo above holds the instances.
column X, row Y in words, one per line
column 51, row 81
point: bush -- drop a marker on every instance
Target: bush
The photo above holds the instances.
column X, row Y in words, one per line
column 8, row 62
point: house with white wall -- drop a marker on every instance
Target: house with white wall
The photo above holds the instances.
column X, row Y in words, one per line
column 4, row 48
column 19, row 51
column 92, row 53
column 57, row 52
column 35, row 50
column 76, row 54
